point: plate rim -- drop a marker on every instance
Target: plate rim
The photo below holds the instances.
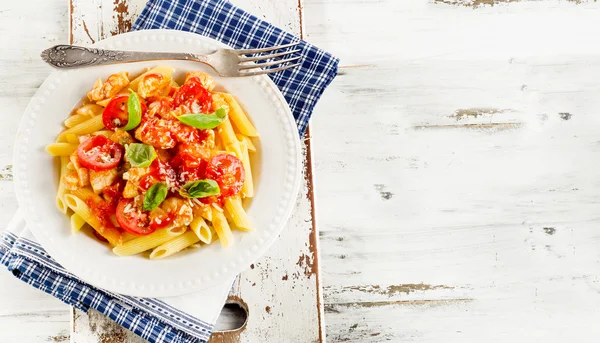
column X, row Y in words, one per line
column 194, row 284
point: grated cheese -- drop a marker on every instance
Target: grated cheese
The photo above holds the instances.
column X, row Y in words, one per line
column 128, row 208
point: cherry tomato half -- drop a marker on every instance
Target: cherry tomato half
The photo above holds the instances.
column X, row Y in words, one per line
column 229, row 173
column 132, row 219
column 116, row 114
column 193, row 95
column 99, row 153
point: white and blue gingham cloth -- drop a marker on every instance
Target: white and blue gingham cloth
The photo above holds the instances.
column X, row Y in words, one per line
column 190, row 318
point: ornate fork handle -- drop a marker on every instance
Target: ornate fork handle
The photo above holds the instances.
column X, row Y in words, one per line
column 72, row 56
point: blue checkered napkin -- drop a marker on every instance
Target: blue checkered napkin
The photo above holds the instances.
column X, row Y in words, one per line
column 151, row 319
column 301, row 86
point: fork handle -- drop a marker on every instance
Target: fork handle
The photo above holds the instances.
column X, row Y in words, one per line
column 73, row 56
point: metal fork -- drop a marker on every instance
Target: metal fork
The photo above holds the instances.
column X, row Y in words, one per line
column 226, row 62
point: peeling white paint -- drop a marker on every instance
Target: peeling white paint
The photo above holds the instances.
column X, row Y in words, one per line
column 497, row 214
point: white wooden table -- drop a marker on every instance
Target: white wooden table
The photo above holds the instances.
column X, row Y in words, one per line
column 456, row 189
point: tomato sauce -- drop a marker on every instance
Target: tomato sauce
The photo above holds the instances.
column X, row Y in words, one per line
column 103, row 210
column 160, row 171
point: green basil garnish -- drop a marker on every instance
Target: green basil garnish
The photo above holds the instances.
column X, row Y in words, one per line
column 140, row 155
column 134, row 107
column 204, row 121
column 200, row 189
column 155, row 196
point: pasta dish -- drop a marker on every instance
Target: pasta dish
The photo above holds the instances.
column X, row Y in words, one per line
column 154, row 165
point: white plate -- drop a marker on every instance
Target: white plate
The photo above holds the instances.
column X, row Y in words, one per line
column 276, row 169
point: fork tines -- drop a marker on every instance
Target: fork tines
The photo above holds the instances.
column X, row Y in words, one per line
column 268, row 59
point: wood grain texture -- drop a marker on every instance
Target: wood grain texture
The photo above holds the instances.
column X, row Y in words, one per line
column 455, row 171
column 280, row 287
column 26, row 315
column 456, row 191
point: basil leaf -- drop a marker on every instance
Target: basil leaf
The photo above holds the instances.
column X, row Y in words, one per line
column 134, row 107
column 155, row 196
column 140, row 155
column 200, row 189
column 204, row 121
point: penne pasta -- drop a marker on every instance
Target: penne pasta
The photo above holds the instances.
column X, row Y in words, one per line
column 143, row 243
column 90, row 110
column 91, row 125
column 75, row 119
column 72, row 138
column 76, row 223
column 129, row 236
column 86, row 193
column 233, row 206
column 213, row 235
column 248, row 187
column 174, row 246
column 60, row 192
column 61, row 149
column 222, row 228
column 106, row 133
column 165, row 70
column 247, row 140
column 228, row 138
column 201, row 229
column 111, row 234
column 218, row 143
column 238, row 117
column 202, row 210
column 104, row 103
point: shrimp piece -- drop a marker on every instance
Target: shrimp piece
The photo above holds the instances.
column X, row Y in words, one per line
column 154, row 85
column 160, row 106
column 178, row 210
column 156, row 132
column 113, row 85
column 205, row 79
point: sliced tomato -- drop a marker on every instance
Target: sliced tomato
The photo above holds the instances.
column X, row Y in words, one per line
column 99, row 153
column 193, row 95
column 116, row 115
column 132, row 219
column 229, row 173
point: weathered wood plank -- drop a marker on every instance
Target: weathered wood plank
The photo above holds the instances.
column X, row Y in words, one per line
column 290, row 269
column 464, row 231
column 458, row 191
column 26, row 315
